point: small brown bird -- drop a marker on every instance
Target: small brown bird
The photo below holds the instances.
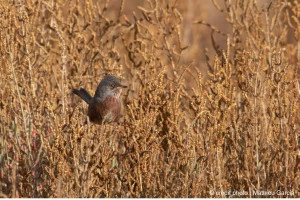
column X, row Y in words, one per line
column 105, row 106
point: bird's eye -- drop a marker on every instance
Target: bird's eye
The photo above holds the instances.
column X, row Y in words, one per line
column 112, row 86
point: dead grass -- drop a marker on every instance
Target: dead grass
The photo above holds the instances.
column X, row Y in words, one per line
column 211, row 105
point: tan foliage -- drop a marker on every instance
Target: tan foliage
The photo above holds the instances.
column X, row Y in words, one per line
column 212, row 104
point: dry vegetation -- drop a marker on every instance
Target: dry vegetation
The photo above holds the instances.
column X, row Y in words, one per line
column 196, row 119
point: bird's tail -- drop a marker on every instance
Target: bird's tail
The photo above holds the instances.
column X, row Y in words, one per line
column 82, row 93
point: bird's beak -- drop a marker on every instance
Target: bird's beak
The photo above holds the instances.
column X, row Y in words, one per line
column 122, row 86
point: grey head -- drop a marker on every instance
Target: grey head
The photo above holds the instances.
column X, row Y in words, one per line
column 110, row 86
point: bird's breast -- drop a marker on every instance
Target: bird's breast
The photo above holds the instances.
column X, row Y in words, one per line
column 107, row 110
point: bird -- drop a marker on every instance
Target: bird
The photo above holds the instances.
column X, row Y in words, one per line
column 105, row 106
